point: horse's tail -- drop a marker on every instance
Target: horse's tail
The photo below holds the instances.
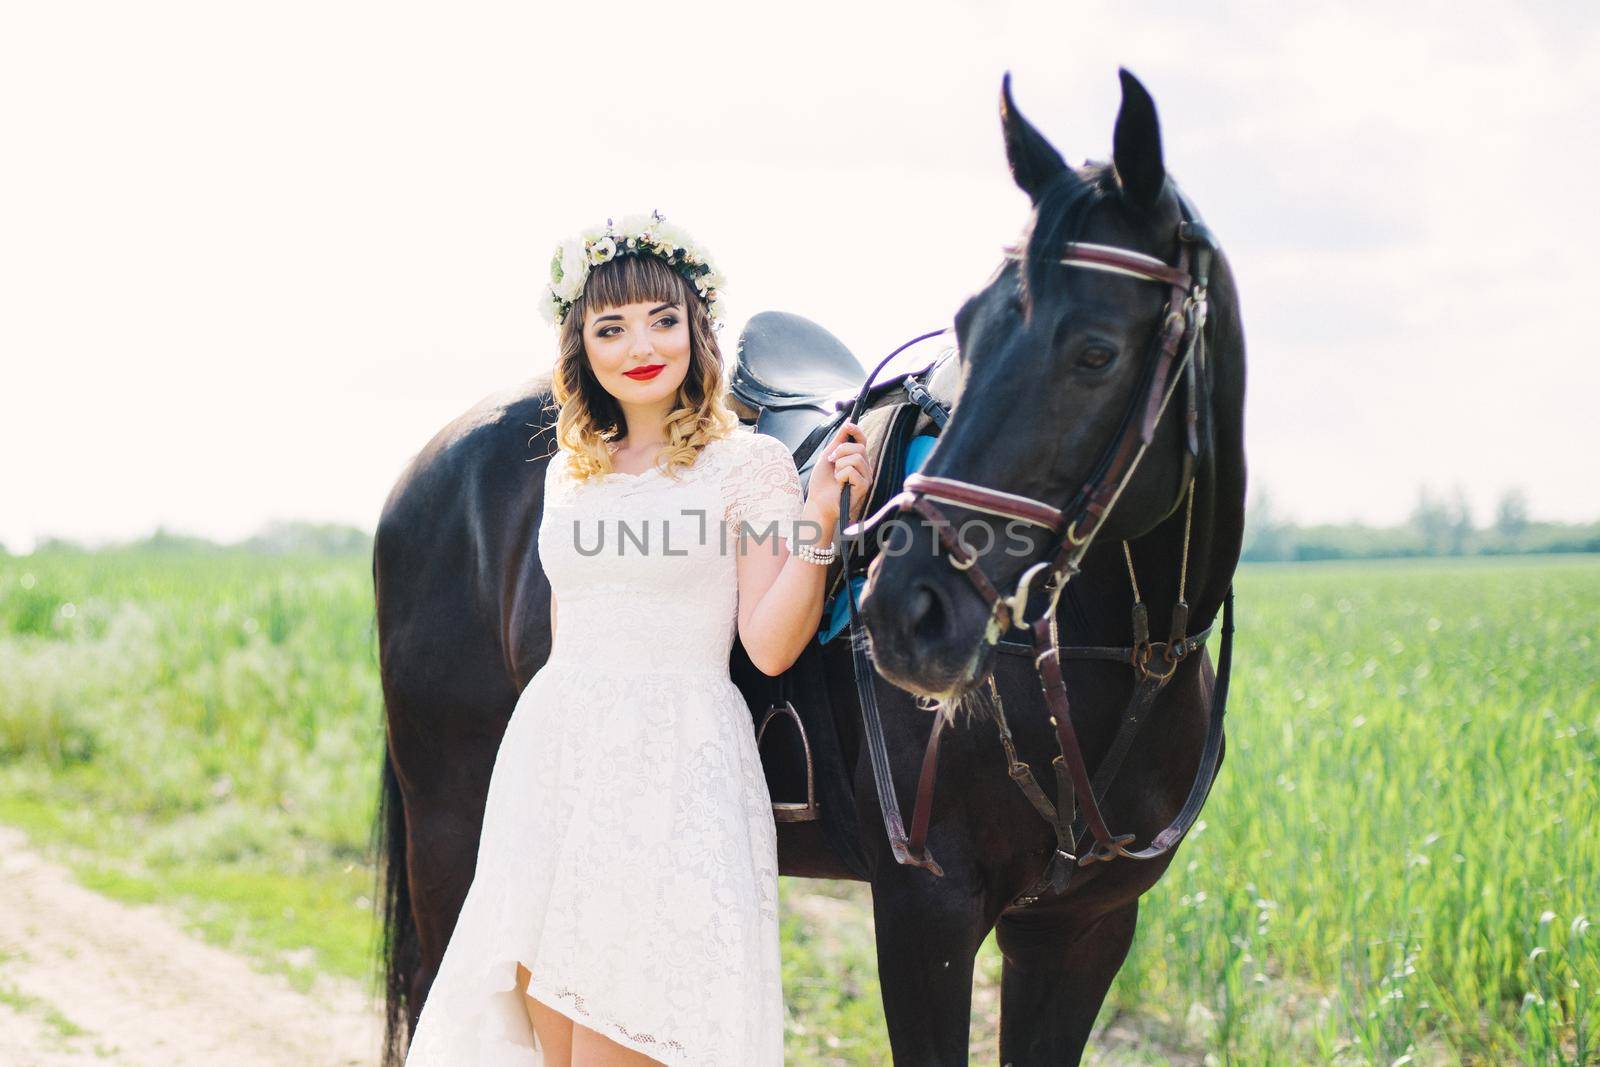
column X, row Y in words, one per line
column 399, row 952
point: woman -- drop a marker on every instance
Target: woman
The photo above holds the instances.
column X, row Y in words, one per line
column 623, row 910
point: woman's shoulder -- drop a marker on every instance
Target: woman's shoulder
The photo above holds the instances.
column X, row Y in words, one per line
column 746, row 440
column 751, row 458
column 743, row 448
column 556, row 470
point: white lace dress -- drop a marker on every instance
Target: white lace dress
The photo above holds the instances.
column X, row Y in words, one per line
column 628, row 856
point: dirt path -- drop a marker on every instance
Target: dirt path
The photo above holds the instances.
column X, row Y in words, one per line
column 88, row 980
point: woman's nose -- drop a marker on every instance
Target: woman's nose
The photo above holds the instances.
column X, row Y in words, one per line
column 641, row 344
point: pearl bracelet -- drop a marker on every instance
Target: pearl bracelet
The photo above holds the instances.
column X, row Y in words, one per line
column 820, row 556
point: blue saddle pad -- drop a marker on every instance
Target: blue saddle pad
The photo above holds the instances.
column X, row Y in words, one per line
column 836, row 613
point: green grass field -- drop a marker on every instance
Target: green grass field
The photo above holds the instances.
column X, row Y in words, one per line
column 1400, row 862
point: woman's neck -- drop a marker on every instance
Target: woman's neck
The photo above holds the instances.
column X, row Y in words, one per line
column 645, row 428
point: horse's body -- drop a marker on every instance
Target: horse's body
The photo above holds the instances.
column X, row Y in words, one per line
column 463, row 620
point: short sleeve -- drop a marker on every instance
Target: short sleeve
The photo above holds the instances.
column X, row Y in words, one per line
column 556, row 480
column 764, row 486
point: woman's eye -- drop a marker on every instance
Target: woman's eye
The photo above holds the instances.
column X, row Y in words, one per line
column 668, row 321
column 1096, row 357
column 608, row 331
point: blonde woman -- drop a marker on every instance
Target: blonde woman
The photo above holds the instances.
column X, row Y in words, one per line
column 623, row 910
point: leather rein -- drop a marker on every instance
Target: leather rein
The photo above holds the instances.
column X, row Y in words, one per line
column 1179, row 359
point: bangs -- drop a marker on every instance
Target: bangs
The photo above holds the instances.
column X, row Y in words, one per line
column 633, row 279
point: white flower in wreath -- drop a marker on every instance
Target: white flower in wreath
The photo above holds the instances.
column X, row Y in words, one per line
column 550, row 307
column 636, row 223
column 571, row 286
column 574, row 261
column 671, row 235
column 602, row 250
column 574, row 272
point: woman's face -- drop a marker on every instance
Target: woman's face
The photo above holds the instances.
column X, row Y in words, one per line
column 624, row 342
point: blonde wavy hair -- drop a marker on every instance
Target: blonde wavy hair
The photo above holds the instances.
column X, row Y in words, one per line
column 590, row 419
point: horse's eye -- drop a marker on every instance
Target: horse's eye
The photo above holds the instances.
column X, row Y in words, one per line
column 1097, row 357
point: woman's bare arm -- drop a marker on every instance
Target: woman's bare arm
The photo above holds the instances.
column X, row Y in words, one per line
column 780, row 596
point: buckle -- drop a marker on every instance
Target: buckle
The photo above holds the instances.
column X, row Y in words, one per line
column 1017, row 602
column 1099, row 852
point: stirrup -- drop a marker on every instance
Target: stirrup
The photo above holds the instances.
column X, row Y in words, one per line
column 793, row 810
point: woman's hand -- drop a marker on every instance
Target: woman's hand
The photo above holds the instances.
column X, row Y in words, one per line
column 842, row 460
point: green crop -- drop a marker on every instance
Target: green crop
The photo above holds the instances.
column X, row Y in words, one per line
column 1400, row 862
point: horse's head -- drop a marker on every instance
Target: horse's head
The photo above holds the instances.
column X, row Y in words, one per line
column 1068, row 357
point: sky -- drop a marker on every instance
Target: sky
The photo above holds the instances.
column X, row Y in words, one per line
column 252, row 257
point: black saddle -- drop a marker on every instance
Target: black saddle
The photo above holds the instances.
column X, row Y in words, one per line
column 800, row 378
column 794, row 373
column 787, row 360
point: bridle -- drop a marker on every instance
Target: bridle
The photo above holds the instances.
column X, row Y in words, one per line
column 1179, row 359
column 1076, row 524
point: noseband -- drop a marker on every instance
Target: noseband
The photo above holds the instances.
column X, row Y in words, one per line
column 1179, row 358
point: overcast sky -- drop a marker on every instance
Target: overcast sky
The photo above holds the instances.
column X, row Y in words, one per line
column 253, row 256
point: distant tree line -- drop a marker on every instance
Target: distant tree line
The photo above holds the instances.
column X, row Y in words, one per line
column 286, row 538
column 1439, row 525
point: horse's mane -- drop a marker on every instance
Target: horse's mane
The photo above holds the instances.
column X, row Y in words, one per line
column 1059, row 217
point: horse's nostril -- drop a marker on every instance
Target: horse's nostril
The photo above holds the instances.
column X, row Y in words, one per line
column 926, row 614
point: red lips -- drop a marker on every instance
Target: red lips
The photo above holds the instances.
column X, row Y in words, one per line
column 644, row 374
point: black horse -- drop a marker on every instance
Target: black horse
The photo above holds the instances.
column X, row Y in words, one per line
column 1059, row 366
column 462, row 613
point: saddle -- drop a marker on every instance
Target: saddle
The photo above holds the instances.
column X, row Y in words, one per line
column 792, row 374
column 796, row 381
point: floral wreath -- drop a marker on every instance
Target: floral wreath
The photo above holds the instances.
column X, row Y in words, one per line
column 638, row 234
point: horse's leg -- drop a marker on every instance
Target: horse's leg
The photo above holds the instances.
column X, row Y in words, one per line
column 928, row 932
column 1057, row 971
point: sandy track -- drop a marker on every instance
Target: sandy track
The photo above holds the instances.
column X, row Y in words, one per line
column 142, row 991
column 86, row 980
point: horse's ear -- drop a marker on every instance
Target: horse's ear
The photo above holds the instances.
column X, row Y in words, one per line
column 1136, row 145
column 1033, row 161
